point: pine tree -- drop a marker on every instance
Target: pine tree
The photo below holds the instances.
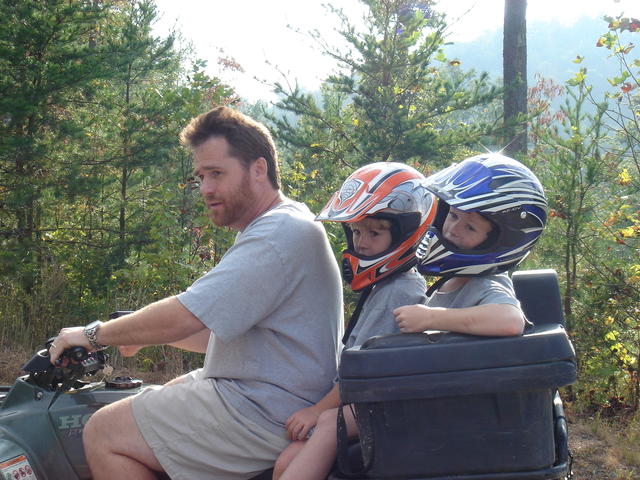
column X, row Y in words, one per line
column 45, row 62
column 395, row 98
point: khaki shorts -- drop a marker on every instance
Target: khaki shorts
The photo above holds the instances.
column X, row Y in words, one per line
column 195, row 434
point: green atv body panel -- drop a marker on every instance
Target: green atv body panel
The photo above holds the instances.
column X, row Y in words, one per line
column 41, row 430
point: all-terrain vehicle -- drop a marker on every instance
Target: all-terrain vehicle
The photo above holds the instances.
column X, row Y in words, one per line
column 432, row 406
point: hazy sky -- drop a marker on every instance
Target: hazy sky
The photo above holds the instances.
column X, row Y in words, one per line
column 254, row 32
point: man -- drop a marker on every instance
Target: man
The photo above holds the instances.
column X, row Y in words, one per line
column 267, row 316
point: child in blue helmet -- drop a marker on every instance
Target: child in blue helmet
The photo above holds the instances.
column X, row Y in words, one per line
column 385, row 210
column 492, row 210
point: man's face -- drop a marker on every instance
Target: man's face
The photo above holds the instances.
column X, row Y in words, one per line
column 225, row 184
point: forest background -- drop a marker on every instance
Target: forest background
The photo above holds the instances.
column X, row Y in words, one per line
column 98, row 211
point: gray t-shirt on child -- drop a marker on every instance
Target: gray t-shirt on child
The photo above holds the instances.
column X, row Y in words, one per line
column 477, row 291
column 376, row 317
column 274, row 305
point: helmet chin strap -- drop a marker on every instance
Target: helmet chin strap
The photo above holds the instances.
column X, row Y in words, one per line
column 356, row 313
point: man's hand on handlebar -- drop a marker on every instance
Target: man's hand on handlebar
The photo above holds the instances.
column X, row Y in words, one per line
column 67, row 338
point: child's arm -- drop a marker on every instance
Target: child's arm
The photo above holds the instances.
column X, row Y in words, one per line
column 490, row 319
column 300, row 422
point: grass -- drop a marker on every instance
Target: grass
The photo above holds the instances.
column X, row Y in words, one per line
column 608, row 443
column 11, row 361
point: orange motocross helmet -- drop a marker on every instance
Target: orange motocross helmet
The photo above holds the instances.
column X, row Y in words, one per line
column 387, row 190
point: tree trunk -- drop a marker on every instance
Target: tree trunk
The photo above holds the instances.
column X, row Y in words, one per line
column 514, row 65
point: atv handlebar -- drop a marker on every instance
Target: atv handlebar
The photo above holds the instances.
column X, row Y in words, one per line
column 73, row 364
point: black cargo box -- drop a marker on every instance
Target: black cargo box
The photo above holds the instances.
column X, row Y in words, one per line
column 448, row 404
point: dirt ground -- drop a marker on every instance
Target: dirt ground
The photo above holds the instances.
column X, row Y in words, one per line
column 589, row 453
column 595, row 456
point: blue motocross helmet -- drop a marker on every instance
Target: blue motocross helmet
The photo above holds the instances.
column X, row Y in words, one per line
column 503, row 191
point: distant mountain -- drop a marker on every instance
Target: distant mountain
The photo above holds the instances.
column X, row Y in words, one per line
column 551, row 49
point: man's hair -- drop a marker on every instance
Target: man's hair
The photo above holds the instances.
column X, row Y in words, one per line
column 248, row 140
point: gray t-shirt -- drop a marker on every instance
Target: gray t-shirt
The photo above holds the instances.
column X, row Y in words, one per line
column 477, row 291
column 376, row 317
column 274, row 305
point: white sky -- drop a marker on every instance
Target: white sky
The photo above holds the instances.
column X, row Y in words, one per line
column 255, row 32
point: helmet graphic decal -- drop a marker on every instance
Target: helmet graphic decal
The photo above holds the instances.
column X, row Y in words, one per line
column 349, row 189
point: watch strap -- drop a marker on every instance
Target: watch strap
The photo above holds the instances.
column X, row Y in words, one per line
column 91, row 332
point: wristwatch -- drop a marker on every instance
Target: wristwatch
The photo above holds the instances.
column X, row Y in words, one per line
column 91, row 332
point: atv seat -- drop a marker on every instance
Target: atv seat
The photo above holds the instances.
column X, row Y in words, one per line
column 539, row 295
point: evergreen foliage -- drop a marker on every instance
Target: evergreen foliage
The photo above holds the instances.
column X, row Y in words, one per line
column 96, row 210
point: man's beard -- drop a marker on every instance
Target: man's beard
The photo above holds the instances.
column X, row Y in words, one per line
column 235, row 204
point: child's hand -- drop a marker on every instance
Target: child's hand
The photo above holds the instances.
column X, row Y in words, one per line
column 413, row 318
column 301, row 422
